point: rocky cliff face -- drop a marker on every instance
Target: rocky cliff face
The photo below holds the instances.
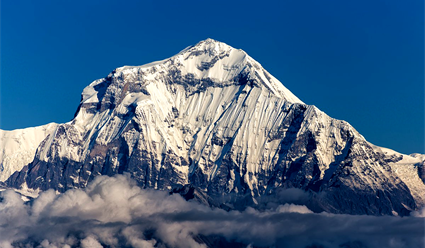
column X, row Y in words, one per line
column 213, row 118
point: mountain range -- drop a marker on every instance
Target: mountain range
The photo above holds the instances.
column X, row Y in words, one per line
column 212, row 124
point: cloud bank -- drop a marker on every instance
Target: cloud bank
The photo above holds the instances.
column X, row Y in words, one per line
column 115, row 212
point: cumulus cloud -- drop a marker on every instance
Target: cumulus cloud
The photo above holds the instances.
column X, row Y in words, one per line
column 115, row 212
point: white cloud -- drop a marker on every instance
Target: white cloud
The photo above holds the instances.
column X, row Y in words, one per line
column 115, row 212
column 419, row 213
column 90, row 242
column 291, row 208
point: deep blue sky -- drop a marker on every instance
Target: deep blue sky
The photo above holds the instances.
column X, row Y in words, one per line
column 361, row 61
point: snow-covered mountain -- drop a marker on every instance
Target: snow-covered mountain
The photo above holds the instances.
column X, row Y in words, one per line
column 17, row 147
column 211, row 117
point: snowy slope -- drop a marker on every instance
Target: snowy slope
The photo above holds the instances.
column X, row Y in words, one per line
column 17, row 147
column 213, row 118
column 406, row 168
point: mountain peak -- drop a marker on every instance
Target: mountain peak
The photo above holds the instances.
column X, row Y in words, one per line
column 210, row 42
column 202, row 57
column 211, row 46
column 215, row 60
column 209, row 63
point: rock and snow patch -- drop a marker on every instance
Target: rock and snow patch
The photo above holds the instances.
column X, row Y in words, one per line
column 406, row 168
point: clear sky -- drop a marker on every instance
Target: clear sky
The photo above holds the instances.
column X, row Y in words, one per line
column 361, row 61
